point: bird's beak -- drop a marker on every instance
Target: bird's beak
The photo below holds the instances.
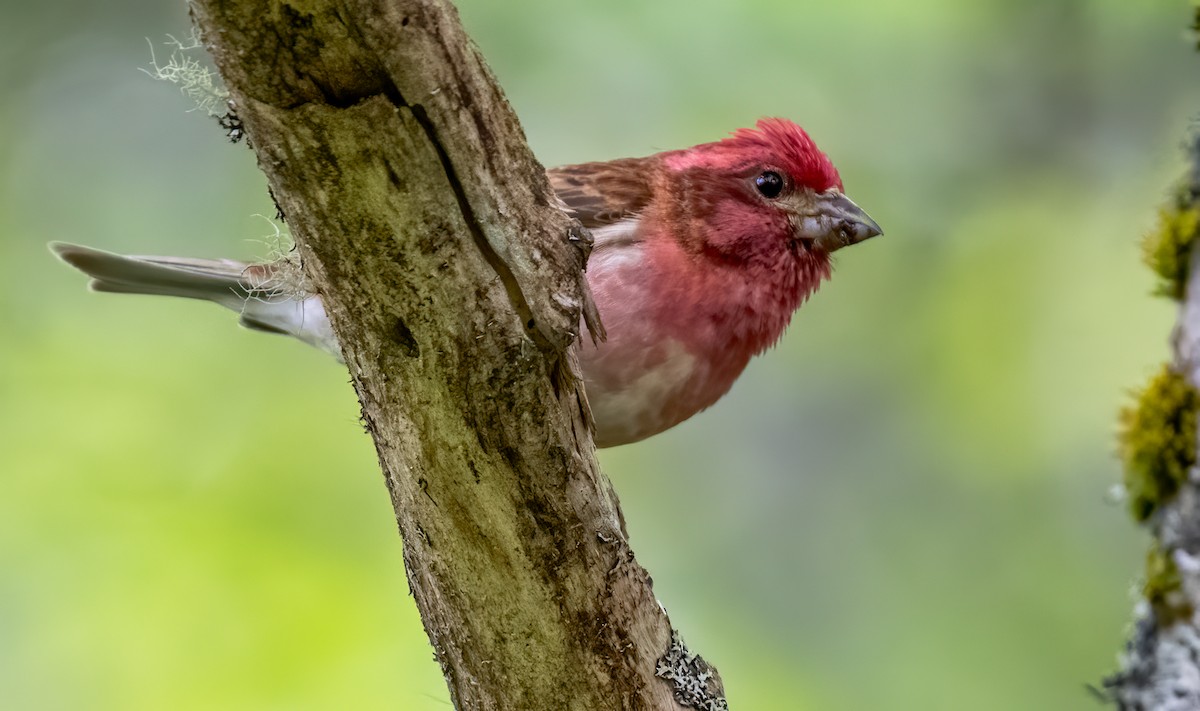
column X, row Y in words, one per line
column 833, row 221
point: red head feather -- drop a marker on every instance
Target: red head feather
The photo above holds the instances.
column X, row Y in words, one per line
column 772, row 141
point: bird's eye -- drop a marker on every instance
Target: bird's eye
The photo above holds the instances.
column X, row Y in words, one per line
column 769, row 184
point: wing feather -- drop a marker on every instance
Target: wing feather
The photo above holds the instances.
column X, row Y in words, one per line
column 602, row 194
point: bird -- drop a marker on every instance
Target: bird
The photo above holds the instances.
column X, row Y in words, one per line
column 701, row 257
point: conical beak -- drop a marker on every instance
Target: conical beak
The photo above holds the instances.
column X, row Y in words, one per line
column 837, row 222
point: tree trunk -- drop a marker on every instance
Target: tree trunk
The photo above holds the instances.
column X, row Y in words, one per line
column 454, row 284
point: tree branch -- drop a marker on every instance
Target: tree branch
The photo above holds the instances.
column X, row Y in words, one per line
column 1160, row 668
column 454, row 284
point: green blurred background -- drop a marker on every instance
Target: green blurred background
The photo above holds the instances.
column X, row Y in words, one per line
column 905, row 505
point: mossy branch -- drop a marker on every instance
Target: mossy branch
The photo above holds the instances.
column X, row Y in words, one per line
column 1160, row 668
column 454, row 284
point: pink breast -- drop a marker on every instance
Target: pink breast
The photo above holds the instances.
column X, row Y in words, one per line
column 660, row 365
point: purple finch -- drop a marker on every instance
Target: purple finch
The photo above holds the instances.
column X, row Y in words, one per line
column 701, row 257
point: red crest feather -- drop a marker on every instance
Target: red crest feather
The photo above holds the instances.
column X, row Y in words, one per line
column 772, row 140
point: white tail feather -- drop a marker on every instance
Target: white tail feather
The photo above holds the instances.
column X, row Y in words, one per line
column 262, row 305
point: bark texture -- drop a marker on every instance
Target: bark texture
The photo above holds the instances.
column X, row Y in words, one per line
column 454, row 284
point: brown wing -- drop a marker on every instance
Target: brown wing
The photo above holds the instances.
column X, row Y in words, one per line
column 599, row 194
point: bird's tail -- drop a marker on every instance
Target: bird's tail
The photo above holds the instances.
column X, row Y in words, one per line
column 221, row 281
column 253, row 291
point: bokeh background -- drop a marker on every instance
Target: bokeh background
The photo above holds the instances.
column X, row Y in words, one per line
column 905, row 505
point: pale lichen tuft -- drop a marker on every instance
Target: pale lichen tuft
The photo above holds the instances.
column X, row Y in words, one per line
column 693, row 679
column 285, row 280
column 195, row 79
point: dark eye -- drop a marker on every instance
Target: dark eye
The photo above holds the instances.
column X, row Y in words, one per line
column 770, row 184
